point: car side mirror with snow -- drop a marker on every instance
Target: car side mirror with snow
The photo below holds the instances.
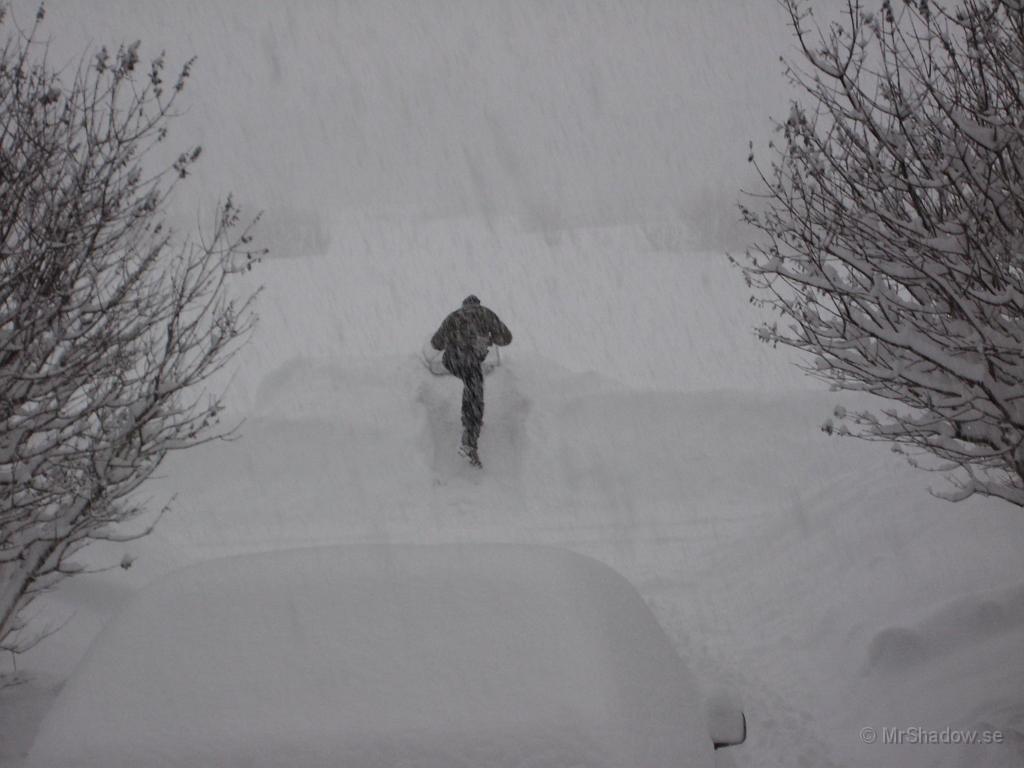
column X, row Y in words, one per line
column 726, row 722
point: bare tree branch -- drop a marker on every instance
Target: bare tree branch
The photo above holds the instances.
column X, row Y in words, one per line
column 892, row 245
column 108, row 326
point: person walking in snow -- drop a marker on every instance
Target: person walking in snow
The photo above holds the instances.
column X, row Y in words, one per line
column 465, row 337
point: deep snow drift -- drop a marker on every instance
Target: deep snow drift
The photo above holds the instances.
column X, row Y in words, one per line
column 778, row 558
column 812, row 575
column 626, row 302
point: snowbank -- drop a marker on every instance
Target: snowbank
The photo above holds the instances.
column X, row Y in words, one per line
column 382, row 656
column 952, row 675
column 959, row 624
column 603, row 300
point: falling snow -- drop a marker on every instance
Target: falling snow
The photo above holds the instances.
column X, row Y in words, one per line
column 575, row 165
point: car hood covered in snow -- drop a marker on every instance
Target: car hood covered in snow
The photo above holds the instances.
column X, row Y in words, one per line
column 455, row 655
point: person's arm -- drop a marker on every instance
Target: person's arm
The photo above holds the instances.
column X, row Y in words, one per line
column 440, row 339
column 499, row 332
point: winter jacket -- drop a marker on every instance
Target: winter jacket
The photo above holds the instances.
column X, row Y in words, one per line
column 469, row 331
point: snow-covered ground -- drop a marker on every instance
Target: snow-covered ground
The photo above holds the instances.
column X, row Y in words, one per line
column 812, row 574
column 635, row 419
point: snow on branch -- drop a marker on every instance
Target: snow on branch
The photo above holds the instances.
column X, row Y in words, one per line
column 892, row 245
column 107, row 324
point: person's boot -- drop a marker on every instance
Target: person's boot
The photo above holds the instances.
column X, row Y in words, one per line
column 468, row 449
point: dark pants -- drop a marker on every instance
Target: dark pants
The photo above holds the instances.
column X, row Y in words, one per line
column 468, row 368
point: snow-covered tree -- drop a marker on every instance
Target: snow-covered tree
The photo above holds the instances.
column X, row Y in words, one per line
column 891, row 239
column 108, row 322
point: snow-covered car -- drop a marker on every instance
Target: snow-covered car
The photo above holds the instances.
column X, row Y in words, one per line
column 385, row 656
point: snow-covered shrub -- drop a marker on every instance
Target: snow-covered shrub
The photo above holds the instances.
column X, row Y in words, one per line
column 106, row 322
column 891, row 244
